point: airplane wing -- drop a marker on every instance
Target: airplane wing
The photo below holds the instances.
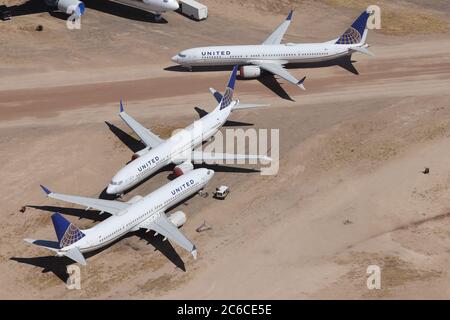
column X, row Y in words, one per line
column 111, row 206
column 148, row 138
column 163, row 226
column 199, row 156
column 279, row 70
column 277, row 35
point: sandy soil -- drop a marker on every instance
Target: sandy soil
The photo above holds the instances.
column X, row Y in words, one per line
column 349, row 193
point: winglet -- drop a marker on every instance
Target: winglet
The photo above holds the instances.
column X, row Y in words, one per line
column 46, row 190
column 194, row 252
column 121, row 105
column 289, row 17
column 300, row 83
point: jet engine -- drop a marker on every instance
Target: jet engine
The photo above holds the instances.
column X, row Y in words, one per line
column 134, row 199
column 183, row 168
column 177, row 218
column 249, row 72
column 68, row 6
column 140, row 153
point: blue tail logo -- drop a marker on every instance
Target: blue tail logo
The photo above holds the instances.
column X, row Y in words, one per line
column 228, row 95
column 354, row 34
column 66, row 232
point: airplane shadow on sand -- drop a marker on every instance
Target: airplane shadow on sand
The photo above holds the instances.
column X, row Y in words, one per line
column 105, row 6
column 27, row 8
column 268, row 79
column 132, row 143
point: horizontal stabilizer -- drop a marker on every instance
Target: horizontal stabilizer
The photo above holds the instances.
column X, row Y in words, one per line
column 47, row 244
column 199, row 156
column 218, row 96
column 363, row 51
column 75, row 255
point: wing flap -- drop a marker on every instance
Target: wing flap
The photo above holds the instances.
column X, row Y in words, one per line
column 279, row 70
column 163, row 226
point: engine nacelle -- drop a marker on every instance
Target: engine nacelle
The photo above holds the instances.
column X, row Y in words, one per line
column 249, row 72
column 135, row 199
column 71, row 6
column 140, row 153
column 177, row 218
column 183, row 168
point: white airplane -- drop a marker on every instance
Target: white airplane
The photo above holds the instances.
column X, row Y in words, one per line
column 78, row 8
column 178, row 149
column 272, row 56
column 138, row 213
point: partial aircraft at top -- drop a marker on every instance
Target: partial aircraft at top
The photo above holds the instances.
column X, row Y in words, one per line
column 77, row 7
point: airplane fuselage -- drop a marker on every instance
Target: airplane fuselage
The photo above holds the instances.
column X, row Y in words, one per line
column 245, row 54
column 143, row 211
column 157, row 6
column 176, row 149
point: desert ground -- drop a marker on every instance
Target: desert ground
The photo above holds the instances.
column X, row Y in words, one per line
column 349, row 192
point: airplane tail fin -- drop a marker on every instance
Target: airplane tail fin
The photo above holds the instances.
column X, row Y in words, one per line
column 357, row 33
column 66, row 231
column 228, row 95
column 67, row 234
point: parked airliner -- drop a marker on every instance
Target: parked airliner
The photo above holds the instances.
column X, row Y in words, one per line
column 138, row 213
column 272, row 56
column 78, row 8
column 178, row 149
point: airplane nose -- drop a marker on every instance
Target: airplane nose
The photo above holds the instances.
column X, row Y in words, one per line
column 175, row 58
column 210, row 174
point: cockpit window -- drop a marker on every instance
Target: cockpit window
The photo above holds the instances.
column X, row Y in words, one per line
column 182, row 55
column 114, row 183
